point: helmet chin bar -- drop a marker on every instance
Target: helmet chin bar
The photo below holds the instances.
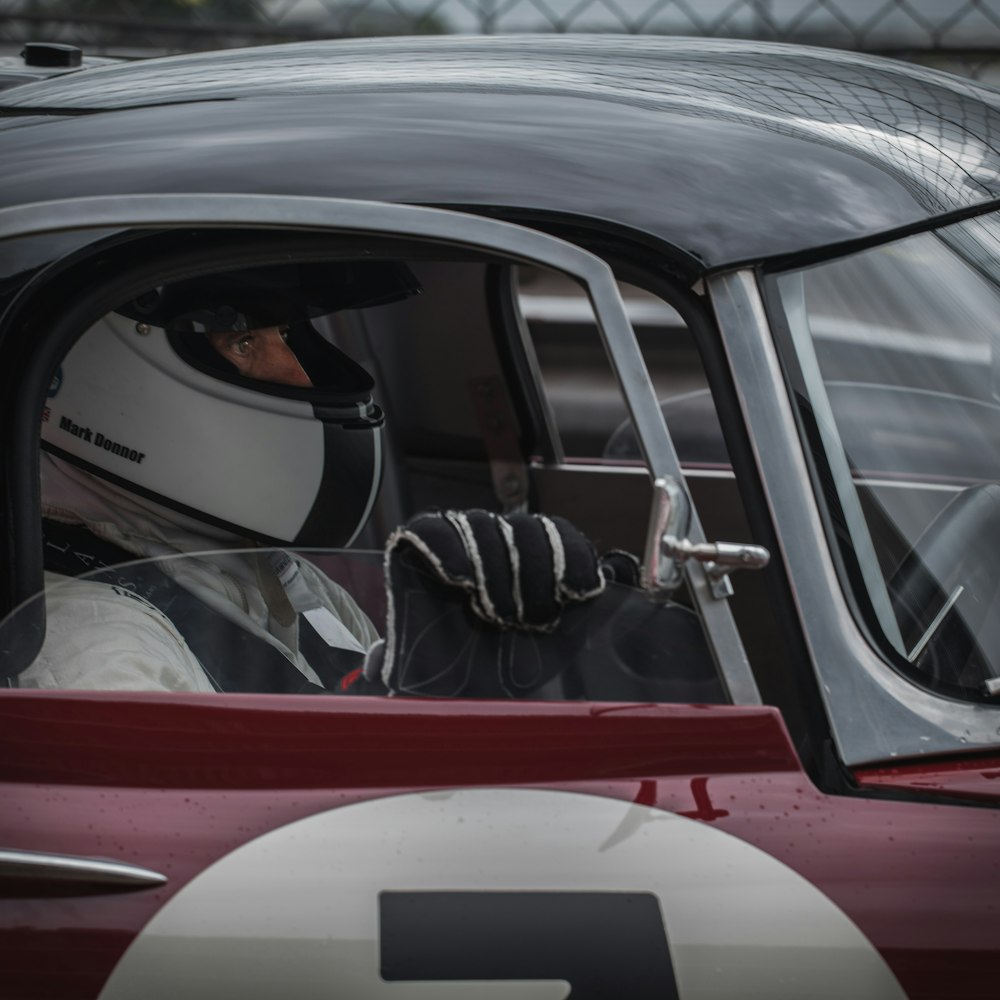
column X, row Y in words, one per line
column 340, row 500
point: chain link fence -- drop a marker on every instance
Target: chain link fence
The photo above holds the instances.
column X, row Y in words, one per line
column 962, row 35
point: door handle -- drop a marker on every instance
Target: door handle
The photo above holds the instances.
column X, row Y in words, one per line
column 35, row 870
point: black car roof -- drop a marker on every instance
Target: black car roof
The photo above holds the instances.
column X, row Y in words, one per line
column 731, row 151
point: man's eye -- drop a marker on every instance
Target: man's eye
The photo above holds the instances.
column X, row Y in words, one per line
column 242, row 346
column 283, row 333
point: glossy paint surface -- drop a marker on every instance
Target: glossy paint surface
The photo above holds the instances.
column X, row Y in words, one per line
column 254, row 741
column 727, row 151
column 175, row 783
column 531, row 848
column 975, row 779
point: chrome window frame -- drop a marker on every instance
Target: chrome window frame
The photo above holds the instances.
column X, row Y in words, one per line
column 311, row 214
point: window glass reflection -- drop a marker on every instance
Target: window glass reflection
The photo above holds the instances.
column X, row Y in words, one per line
column 897, row 357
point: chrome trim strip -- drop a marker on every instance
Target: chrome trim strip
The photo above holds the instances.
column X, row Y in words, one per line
column 38, row 866
column 902, row 484
column 657, row 446
column 572, row 309
column 793, row 299
column 308, row 214
column 579, row 465
column 535, row 369
column 935, row 625
column 876, row 714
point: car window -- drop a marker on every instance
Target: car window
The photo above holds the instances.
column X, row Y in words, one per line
column 601, row 445
column 149, row 625
column 321, row 394
column 587, row 404
column 895, row 374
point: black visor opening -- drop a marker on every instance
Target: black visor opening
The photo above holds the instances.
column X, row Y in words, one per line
column 337, row 379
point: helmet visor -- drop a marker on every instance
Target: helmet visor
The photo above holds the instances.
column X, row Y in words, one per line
column 253, row 326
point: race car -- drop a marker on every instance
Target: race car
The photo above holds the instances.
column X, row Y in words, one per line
column 725, row 313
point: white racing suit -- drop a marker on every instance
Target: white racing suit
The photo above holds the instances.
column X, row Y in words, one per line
column 107, row 637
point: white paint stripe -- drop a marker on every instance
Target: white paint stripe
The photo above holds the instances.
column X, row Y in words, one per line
column 295, row 913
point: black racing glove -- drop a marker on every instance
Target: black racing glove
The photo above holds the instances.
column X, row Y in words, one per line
column 619, row 566
column 518, row 570
column 458, row 582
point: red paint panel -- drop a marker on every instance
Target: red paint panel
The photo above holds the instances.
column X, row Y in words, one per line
column 174, row 783
column 921, row 880
column 894, row 867
column 254, row 741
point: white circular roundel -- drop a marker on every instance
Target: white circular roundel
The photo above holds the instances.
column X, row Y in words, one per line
column 512, row 894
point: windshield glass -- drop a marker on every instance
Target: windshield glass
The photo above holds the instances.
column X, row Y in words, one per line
column 895, row 366
column 320, row 622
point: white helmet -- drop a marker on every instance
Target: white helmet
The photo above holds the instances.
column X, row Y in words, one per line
column 144, row 401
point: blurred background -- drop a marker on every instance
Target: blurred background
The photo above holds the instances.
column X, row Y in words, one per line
column 962, row 36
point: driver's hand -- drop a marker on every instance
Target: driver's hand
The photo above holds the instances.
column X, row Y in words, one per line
column 518, row 570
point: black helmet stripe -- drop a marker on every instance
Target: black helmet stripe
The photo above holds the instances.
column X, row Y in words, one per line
column 348, row 487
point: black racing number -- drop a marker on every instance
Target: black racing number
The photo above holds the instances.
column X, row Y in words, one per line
column 604, row 944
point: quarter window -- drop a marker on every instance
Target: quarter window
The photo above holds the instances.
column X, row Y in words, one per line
column 895, row 368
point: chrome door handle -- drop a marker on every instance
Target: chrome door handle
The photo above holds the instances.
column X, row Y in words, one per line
column 95, row 874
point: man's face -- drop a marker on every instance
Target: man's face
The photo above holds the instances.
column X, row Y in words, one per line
column 261, row 354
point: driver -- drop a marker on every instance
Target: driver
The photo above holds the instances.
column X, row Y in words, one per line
column 210, row 414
